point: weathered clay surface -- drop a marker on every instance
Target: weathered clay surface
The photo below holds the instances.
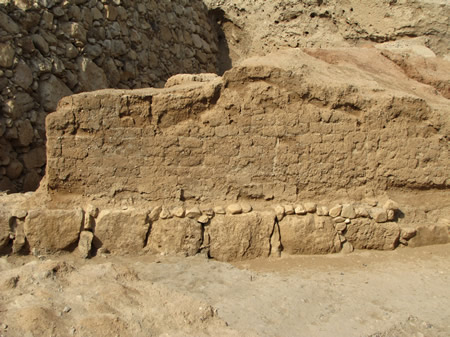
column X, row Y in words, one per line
column 239, row 237
column 255, row 27
column 429, row 70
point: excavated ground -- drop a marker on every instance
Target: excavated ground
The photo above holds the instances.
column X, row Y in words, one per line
column 368, row 293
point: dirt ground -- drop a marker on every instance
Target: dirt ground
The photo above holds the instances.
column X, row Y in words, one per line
column 367, row 293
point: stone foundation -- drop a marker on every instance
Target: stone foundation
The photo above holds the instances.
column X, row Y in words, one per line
column 226, row 232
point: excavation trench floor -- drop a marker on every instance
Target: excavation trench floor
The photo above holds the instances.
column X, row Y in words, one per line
column 405, row 292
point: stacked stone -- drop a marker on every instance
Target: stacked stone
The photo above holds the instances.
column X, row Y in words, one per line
column 53, row 48
column 351, row 225
column 234, row 232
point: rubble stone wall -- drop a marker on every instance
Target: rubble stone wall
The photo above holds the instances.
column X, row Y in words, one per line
column 50, row 49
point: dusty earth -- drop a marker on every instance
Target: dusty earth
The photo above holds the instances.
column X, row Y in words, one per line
column 368, row 293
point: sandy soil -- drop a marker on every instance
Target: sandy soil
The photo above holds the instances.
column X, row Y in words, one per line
column 399, row 293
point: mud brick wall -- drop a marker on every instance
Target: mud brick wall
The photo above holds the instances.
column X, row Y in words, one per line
column 258, row 133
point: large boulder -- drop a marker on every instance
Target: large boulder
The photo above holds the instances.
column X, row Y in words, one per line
column 175, row 236
column 4, row 229
column 240, row 237
column 85, row 244
column 309, row 234
column 25, row 133
column 35, row 158
column 16, row 107
column 367, row 234
column 53, row 230
column 121, row 231
column 51, row 91
column 90, row 76
column 23, row 75
column 6, row 55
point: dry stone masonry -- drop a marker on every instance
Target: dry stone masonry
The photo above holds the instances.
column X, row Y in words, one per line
column 51, row 49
